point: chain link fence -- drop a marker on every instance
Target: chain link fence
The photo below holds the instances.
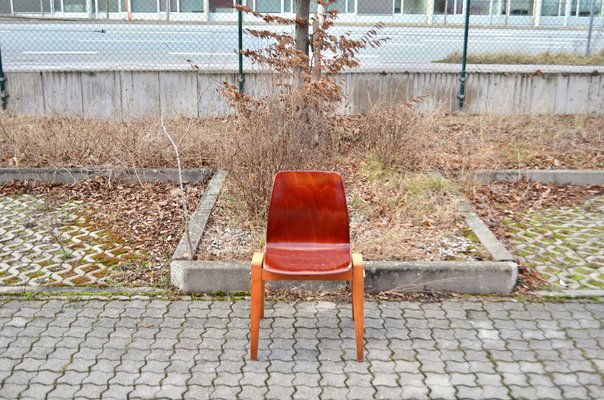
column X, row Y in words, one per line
column 202, row 34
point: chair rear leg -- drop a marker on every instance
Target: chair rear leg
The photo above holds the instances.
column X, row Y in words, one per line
column 358, row 289
column 256, row 307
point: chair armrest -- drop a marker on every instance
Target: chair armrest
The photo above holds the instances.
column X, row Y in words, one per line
column 357, row 260
column 257, row 259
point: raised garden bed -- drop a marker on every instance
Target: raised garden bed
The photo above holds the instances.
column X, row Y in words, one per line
column 460, row 273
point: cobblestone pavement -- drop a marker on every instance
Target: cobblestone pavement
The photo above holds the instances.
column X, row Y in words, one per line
column 43, row 245
column 142, row 348
column 564, row 244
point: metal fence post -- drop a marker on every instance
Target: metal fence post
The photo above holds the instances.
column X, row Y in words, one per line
column 590, row 28
column 462, row 88
column 240, row 34
column 3, row 94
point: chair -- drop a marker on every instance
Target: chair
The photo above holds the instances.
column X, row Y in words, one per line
column 307, row 238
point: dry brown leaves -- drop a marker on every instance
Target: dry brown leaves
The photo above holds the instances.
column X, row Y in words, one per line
column 497, row 201
column 147, row 217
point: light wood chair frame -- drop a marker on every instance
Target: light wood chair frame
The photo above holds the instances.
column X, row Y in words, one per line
column 259, row 276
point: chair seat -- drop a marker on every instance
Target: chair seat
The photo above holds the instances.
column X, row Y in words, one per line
column 307, row 259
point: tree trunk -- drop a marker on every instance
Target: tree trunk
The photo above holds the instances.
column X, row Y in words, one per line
column 302, row 18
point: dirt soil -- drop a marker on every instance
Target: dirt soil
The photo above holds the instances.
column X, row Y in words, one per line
column 147, row 217
column 501, row 200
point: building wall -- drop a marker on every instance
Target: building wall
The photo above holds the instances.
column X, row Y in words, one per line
column 485, row 12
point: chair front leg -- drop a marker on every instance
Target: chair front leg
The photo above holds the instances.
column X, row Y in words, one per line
column 358, row 291
column 257, row 304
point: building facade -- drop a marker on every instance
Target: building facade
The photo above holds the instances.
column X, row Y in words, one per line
column 421, row 12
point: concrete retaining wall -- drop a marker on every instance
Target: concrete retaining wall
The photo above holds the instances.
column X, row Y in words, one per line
column 128, row 95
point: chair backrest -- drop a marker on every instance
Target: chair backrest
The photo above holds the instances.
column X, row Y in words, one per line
column 308, row 207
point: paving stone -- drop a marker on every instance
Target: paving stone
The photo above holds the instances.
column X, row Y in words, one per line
column 252, row 392
column 225, row 392
column 33, row 391
column 90, row 391
column 63, row 391
column 41, row 258
column 277, row 392
column 306, row 392
column 548, row 392
column 568, row 263
column 195, row 392
column 116, row 392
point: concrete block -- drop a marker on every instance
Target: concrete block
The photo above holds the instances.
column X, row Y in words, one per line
column 140, row 94
column 101, row 95
column 26, row 95
column 447, row 276
column 70, row 175
column 187, row 247
column 178, row 93
column 487, row 238
column 62, row 93
column 560, row 177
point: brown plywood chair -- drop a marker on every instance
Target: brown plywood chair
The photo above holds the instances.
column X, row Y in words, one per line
column 307, row 238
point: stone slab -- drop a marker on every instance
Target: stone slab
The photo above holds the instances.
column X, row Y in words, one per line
column 71, row 175
column 445, row 276
column 560, row 177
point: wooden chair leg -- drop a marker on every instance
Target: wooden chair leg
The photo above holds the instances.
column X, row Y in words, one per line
column 262, row 309
column 256, row 306
column 358, row 289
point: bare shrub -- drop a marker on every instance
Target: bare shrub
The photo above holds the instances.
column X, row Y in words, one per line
column 400, row 136
column 278, row 134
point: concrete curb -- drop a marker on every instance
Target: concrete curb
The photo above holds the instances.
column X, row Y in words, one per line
column 571, row 293
column 485, row 236
column 200, row 217
column 583, row 177
column 480, row 277
column 71, row 175
column 473, row 277
column 117, row 290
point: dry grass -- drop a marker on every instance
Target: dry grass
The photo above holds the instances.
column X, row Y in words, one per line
column 455, row 142
column 70, row 142
column 543, row 58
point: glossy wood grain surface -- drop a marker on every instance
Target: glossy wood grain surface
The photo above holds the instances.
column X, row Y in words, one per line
column 308, row 232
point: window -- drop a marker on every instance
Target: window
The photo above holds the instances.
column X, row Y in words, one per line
column 481, row 7
column 339, row 5
column 195, row 6
column 415, row 6
column 143, row 6
column 173, row 5
column 221, row 6
column 113, row 6
column 268, row 6
column 519, row 7
column 375, row 7
column 29, row 6
column 5, row 7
